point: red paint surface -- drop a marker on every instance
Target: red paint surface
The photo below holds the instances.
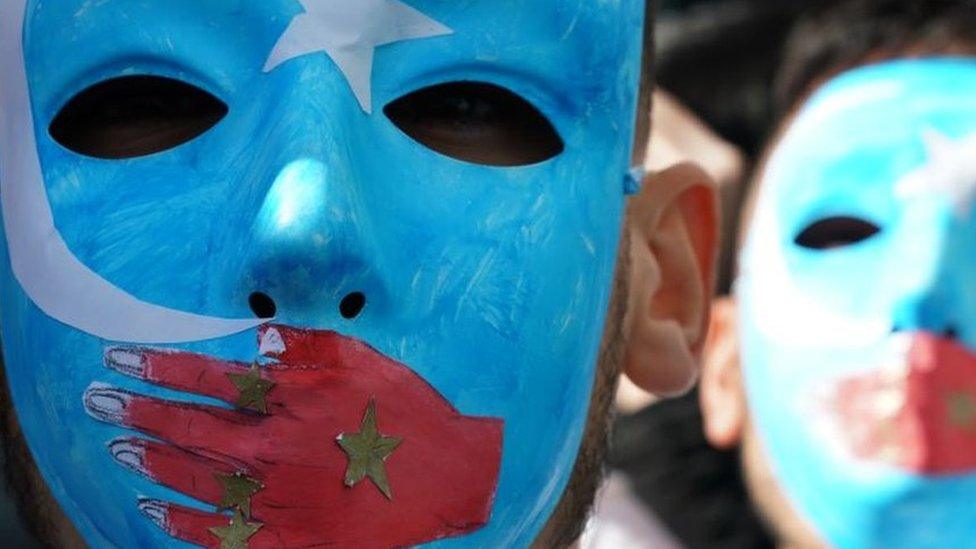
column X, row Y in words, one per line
column 443, row 475
column 907, row 420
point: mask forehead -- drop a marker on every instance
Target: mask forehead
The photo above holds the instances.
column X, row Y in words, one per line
column 867, row 129
column 223, row 40
column 516, row 263
column 550, row 42
column 890, row 144
column 216, row 38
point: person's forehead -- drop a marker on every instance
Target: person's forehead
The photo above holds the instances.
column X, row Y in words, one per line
column 551, row 41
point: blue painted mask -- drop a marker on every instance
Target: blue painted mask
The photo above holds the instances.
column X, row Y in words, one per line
column 322, row 310
column 858, row 310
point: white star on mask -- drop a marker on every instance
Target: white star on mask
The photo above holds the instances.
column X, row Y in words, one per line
column 349, row 31
column 950, row 172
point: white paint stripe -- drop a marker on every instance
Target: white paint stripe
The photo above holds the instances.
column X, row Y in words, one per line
column 50, row 274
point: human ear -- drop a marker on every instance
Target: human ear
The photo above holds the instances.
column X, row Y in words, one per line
column 722, row 395
column 674, row 235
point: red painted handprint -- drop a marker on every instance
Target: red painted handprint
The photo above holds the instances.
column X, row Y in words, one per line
column 332, row 444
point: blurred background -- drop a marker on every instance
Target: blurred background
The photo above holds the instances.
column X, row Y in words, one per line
column 12, row 532
column 716, row 64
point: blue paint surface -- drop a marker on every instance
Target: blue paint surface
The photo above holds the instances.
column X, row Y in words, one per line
column 811, row 316
column 491, row 283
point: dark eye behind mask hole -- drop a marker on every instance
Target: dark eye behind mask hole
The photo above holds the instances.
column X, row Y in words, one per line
column 135, row 116
column 836, row 232
column 476, row 122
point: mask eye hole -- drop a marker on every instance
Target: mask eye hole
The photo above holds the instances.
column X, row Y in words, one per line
column 476, row 122
column 134, row 116
column 836, row 232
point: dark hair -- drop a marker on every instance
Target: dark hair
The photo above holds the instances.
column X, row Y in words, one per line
column 646, row 85
column 839, row 35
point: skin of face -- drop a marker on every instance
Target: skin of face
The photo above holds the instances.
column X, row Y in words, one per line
column 854, row 338
column 299, row 194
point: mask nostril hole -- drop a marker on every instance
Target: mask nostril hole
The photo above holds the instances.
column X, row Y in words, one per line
column 352, row 305
column 262, row 305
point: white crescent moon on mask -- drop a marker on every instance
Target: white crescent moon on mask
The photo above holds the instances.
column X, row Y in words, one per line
column 50, row 274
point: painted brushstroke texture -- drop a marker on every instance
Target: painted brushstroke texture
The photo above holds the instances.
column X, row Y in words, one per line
column 490, row 284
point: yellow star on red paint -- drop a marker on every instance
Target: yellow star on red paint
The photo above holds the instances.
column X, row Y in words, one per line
column 253, row 390
column 368, row 451
column 236, row 534
column 961, row 407
column 238, row 490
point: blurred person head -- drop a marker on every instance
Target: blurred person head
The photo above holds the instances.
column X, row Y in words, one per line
column 846, row 369
column 439, row 229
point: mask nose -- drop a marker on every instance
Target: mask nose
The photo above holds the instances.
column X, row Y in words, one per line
column 931, row 276
column 308, row 259
column 928, row 312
